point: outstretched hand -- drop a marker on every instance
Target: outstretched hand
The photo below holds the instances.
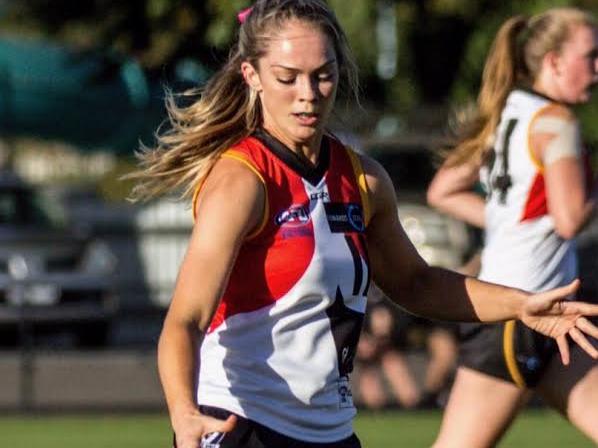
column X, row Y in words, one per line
column 190, row 428
column 551, row 314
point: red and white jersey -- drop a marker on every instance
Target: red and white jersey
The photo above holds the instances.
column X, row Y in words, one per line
column 521, row 249
column 280, row 347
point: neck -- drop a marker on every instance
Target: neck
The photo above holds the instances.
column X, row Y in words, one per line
column 545, row 87
column 308, row 150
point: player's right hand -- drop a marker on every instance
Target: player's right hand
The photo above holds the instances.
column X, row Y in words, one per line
column 191, row 427
column 553, row 314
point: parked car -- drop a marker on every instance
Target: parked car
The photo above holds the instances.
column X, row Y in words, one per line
column 54, row 277
column 410, row 161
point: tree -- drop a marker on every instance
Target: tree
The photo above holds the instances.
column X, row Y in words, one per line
column 156, row 32
column 441, row 44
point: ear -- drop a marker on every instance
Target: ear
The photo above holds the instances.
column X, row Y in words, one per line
column 552, row 61
column 251, row 76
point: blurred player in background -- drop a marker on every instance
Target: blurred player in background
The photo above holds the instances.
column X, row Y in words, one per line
column 524, row 145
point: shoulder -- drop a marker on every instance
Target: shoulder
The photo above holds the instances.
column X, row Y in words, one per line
column 556, row 110
column 380, row 187
column 553, row 119
column 554, row 134
column 231, row 188
column 235, row 177
column 237, row 167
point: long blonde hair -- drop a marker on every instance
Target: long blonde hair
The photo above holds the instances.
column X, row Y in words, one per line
column 515, row 58
column 227, row 110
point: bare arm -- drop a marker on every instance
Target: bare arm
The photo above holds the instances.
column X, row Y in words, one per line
column 451, row 192
column 568, row 202
column 230, row 206
column 441, row 294
column 554, row 139
column 421, row 289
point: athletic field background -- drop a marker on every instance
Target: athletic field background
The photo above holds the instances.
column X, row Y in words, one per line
column 534, row 428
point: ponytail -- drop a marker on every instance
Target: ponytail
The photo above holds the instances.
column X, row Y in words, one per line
column 515, row 58
column 504, row 68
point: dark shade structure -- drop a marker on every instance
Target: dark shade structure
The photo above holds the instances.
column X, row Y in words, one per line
column 91, row 99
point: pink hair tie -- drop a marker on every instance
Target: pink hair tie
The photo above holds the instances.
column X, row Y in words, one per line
column 242, row 16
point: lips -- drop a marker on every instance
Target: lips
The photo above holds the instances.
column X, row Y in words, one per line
column 307, row 118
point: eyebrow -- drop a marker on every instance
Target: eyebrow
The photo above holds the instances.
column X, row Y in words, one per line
column 293, row 69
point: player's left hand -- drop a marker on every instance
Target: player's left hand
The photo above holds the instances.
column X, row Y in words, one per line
column 551, row 314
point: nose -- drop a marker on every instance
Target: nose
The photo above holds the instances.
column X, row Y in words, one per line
column 308, row 89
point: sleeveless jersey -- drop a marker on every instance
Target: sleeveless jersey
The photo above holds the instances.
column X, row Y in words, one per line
column 522, row 248
column 281, row 344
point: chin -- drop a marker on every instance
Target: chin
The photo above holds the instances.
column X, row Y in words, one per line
column 305, row 135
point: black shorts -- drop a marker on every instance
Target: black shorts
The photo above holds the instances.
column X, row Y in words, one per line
column 249, row 434
column 510, row 351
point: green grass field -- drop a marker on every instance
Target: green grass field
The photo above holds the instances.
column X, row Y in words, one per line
column 385, row 430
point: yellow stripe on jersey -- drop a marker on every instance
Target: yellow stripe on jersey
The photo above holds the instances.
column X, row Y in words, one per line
column 532, row 155
column 509, row 353
column 361, row 183
column 240, row 157
column 195, row 196
column 555, row 111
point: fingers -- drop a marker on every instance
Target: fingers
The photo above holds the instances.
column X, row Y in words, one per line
column 191, row 428
column 215, row 425
column 546, row 301
column 587, row 309
column 212, row 425
column 228, row 424
column 563, row 346
column 583, row 342
column 564, row 291
column 587, row 327
column 573, row 286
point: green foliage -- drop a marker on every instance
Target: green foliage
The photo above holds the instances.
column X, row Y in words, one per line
column 357, row 17
column 158, row 33
column 222, row 29
column 403, row 89
column 155, row 32
column 588, row 117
